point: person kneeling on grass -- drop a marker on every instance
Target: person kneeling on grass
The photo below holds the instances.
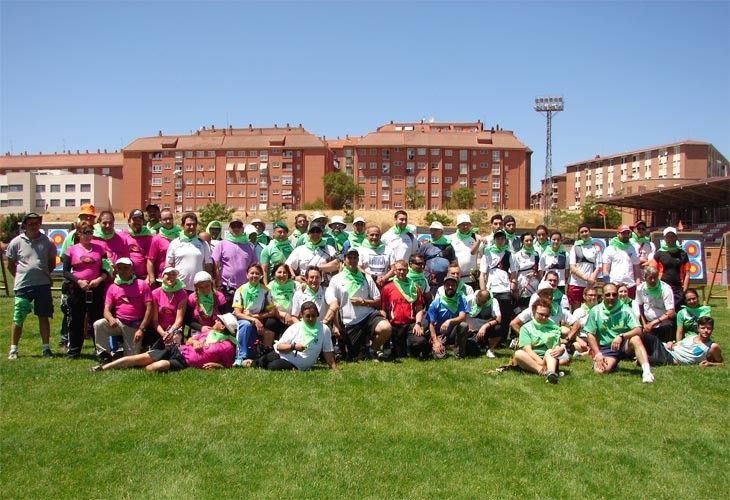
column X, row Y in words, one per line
column 614, row 334
column 213, row 349
column 539, row 344
column 447, row 320
column 300, row 345
column 696, row 349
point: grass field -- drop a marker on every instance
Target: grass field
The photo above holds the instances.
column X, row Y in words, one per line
column 412, row 429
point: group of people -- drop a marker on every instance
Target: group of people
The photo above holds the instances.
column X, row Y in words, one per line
column 167, row 297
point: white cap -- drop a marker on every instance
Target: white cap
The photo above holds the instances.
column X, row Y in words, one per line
column 436, row 225
column 462, row 218
column 411, row 228
column 358, row 219
column 124, row 260
column 317, row 215
column 337, row 219
column 257, row 221
column 668, row 230
column 201, row 277
column 544, row 285
column 169, row 269
column 249, row 228
column 230, row 321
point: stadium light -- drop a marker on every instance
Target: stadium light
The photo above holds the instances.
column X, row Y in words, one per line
column 548, row 105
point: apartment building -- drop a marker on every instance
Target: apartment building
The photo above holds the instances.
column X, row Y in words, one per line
column 249, row 169
column 556, row 191
column 436, row 159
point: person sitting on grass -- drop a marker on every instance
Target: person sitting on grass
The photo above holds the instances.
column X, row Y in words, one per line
column 252, row 306
column 310, row 291
column 614, row 334
column 484, row 321
column 689, row 314
column 205, row 303
column 539, row 344
column 654, row 305
column 447, row 320
column 300, row 345
column 170, row 302
column 590, row 299
column 402, row 303
column 696, row 349
column 213, row 349
column 461, row 288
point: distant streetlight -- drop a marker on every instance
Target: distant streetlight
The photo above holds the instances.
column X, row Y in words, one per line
column 549, row 106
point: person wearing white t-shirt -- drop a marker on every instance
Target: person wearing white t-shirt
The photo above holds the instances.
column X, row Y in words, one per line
column 654, row 305
column 585, row 264
column 375, row 258
column 189, row 254
column 498, row 274
column 621, row 262
column 641, row 242
column 311, row 291
column 465, row 243
column 400, row 242
column 313, row 252
column 554, row 258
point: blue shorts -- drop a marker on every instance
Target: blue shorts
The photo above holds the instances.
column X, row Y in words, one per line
column 39, row 295
column 619, row 355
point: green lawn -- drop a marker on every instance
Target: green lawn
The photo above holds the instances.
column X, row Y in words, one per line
column 413, row 429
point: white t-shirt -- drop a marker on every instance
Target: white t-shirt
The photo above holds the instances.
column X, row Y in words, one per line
column 188, row 258
column 471, row 300
column 304, row 360
column 527, row 280
column 557, row 263
column 621, row 264
column 352, row 315
column 301, row 297
column 591, row 259
column 375, row 264
column 653, row 307
column 687, row 351
column 302, row 257
column 497, row 279
column 466, row 260
column 644, row 250
column 263, row 301
column 400, row 247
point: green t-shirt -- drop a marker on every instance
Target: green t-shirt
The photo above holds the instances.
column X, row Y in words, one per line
column 67, row 242
column 607, row 326
column 271, row 255
column 541, row 337
column 688, row 317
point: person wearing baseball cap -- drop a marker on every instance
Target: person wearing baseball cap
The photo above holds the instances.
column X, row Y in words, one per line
column 621, row 263
column 436, row 253
column 139, row 240
column 127, row 312
column 357, row 236
column 672, row 262
column 277, row 251
column 447, row 321
column 465, row 242
column 31, row 259
column 641, row 242
column 262, row 237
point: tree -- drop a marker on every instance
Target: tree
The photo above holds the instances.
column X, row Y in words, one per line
column 341, row 190
column 317, row 204
column 214, row 211
column 589, row 213
column 440, row 217
column 414, row 199
column 275, row 213
column 462, row 198
column 566, row 222
column 10, row 227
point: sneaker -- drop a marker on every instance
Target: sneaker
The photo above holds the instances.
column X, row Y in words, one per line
column 118, row 354
column 647, row 378
column 551, row 377
column 104, row 357
column 490, row 354
column 237, row 363
column 47, row 353
column 13, row 355
column 96, row 368
column 513, row 344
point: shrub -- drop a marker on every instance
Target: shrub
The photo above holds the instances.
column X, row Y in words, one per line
column 440, row 217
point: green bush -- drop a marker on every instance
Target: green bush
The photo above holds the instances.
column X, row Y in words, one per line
column 214, row 211
column 275, row 213
column 440, row 217
column 317, row 204
column 10, row 227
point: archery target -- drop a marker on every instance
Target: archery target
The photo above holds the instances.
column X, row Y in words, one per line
column 696, row 259
column 57, row 237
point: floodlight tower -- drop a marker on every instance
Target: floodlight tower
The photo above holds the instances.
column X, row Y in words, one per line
column 549, row 106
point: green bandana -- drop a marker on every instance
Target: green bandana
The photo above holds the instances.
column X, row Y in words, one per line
column 187, row 239
column 583, row 243
column 688, row 316
column 145, row 231
column 282, row 246
column 464, row 237
column 98, row 233
column 555, row 305
column 585, row 307
column 666, row 248
column 214, row 337
column 308, row 243
column 419, row 278
column 528, row 251
column 297, row 234
column 378, row 248
column 626, row 300
column 450, row 303
column 407, row 288
column 249, row 294
column 217, row 223
column 356, row 239
column 542, row 246
column 560, row 251
column 397, row 231
column 510, row 236
column 493, row 248
column 340, row 239
column 605, row 313
column 178, row 285
column 263, row 239
column 206, row 302
column 282, row 294
column 241, row 239
column 170, row 234
column 309, row 333
column 353, row 280
column 119, row 281
column 107, row 266
column 310, row 291
column 638, row 240
column 476, row 308
column 154, row 227
column 654, row 291
column 440, row 241
column 618, row 244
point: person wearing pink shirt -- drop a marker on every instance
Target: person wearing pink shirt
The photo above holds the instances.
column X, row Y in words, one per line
column 210, row 350
column 205, row 303
column 139, row 238
column 127, row 312
column 169, row 303
column 115, row 245
column 157, row 254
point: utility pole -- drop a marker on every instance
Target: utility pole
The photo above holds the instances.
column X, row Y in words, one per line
column 549, row 106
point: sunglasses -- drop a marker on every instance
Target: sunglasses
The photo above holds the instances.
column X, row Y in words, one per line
column 610, row 295
column 89, row 233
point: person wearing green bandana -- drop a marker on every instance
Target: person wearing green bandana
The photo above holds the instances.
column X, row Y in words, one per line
column 654, row 305
column 539, row 344
column 139, row 239
column 697, row 349
column 311, row 291
column 585, row 263
column 314, row 252
column 357, row 236
column 437, row 254
column 484, row 321
column 157, row 254
column 447, row 321
column 690, row 312
column 252, row 306
column 337, row 226
column 541, row 238
column 614, row 334
column 232, row 256
column 555, row 259
column 513, row 240
column 114, row 244
column 169, row 303
column 213, row 233
column 318, row 219
column 205, row 303
column 262, row 237
column 189, row 254
column 300, row 345
column 526, row 261
column 590, row 299
column 282, row 289
column 641, row 242
column 466, row 243
column 301, row 223
column 355, row 296
column 153, row 217
column 375, row 259
column 127, row 312
column 277, row 251
column 400, row 242
column 462, row 288
column 497, row 224
column 499, row 276
column 402, row 303
column 673, row 265
column 212, row 349
column 621, row 264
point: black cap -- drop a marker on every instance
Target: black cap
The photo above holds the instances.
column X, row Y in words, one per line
column 136, row 213
column 313, row 228
column 31, row 215
column 499, row 232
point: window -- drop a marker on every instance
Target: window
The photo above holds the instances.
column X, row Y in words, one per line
column 252, row 194
column 373, row 179
column 495, row 184
column 55, row 202
column 373, row 194
column 85, row 188
column 448, row 152
column 211, row 167
column 156, row 181
column 495, row 155
column 362, row 166
column 434, row 180
column 70, row 188
column 386, row 153
column 435, row 193
column 448, row 166
column 156, row 169
column 105, row 171
column 421, row 151
column 463, row 168
column 435, row 152
column 495, row 196
column 188, row 168
column 422, row 165
column 448, row 180
column 188, row 154
column 421, row 180
column 373, row 165
column 463, row 155
column 70, row 203
column 434, row 165
column 40, row 203
column 386, row 168
column 200, row 154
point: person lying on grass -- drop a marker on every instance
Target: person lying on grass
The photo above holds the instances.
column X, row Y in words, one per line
column 300, row 345
column 539, row 343
column 209, row 350
column 696, row 349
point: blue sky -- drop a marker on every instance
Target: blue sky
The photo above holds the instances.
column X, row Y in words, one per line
column 97, row 75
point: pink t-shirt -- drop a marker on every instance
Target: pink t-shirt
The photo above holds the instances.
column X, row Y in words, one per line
column 197, row 312
column 128, row 302
column 139, row 247
column 85, row 264
column 114, row 248
column 158, row 253
column 221, row 352
column 166, row 307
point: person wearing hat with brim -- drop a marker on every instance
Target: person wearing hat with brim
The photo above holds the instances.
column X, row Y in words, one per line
column 127, row 312
column 320, row 220
column 31, row 259
column 400, row 242
column 157, row 254
column 314, row 252
column 277, row 251
column 357, row 235
column 465, row 242
column 642, row 243
column 232, row 256
column 139, row 240
column 621, row 263
column 205, row 303
column 170, row 301
column 446, row 316
column 262, row 237
column 337, row 227
column 498, row 274
column 211, row 349
column 189, row 254
column 673, row 265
